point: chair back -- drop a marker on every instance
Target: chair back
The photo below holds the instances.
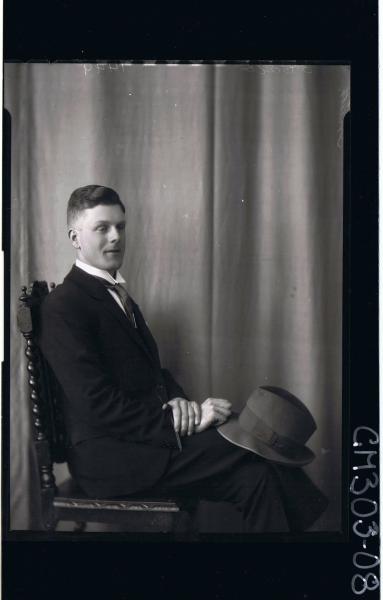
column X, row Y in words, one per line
column 45, row 396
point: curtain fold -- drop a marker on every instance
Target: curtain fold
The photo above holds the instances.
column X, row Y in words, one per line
column 232, row 178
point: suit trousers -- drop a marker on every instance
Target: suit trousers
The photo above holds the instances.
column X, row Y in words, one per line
column 271, row 498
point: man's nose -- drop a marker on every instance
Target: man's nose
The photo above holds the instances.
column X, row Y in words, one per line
column 114, row 234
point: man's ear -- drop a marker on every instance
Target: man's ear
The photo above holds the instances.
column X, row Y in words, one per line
column 73, row 236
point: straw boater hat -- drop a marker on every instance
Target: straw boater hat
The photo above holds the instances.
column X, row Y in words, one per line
column 273, row 424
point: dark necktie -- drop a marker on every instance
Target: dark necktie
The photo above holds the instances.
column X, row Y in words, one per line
column 125, row 300
column 122, row 293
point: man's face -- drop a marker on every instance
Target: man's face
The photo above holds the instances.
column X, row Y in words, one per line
column 99, row 236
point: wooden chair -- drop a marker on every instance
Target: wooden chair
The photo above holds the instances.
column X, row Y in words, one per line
column 67, row 502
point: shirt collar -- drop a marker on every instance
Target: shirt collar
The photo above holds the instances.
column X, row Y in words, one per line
column 99, row 272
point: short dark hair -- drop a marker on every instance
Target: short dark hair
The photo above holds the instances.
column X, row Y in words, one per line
column 90, row 196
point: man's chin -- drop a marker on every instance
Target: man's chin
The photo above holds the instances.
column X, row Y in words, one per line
column 113, row 261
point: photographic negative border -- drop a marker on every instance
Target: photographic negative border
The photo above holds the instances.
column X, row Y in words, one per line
column 300, row 568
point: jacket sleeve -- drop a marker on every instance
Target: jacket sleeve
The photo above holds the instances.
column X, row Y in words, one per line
column 174, row 390
column 69, row 344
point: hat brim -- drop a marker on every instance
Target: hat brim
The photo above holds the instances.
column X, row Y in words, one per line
column 296, row 457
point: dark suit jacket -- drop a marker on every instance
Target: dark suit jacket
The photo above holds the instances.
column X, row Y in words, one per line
column 113, row 388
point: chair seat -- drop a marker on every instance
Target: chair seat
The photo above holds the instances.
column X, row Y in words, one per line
column 140, row 514
column 69, row 495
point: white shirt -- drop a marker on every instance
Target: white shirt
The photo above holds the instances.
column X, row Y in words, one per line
column 105, row 275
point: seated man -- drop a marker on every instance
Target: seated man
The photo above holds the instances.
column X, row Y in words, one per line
column 130, row 425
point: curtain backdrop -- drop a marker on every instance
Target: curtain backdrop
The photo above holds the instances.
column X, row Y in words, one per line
column 232, row 178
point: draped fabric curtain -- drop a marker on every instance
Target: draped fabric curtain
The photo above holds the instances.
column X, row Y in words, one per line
column 232, row 178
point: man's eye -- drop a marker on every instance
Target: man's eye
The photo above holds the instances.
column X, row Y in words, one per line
column 121, row 227
column 101, row 228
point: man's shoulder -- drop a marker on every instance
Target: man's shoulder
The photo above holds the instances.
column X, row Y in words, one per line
column 61, row 292
column 66, row 296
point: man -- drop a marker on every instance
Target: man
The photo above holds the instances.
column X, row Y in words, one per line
column 130, row 425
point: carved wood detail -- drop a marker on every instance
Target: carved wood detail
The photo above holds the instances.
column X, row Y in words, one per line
column 25, row 322
column 118, row 505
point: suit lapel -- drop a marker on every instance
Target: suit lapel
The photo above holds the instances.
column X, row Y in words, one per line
column 145, row 332
column 98, row 291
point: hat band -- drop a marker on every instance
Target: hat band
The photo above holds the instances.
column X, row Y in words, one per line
column 258, row 428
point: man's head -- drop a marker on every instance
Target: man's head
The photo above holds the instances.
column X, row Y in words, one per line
column 96, row 226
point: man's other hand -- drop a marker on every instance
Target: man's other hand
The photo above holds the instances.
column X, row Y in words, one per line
column 186, row 415
column 214, row 412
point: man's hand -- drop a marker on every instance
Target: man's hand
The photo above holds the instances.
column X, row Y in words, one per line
column 186, row 415
column 215, row 411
